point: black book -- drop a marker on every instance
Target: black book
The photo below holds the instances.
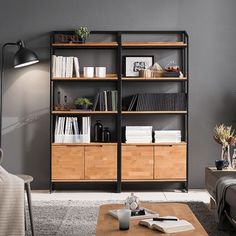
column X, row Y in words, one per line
column 109, row 100
column 95, row 102
column 131, row 105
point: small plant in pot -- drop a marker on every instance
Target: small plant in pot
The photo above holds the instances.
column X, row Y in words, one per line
column 83, row 33
column 82, row 103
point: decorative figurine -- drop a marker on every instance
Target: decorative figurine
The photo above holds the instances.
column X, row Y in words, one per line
column 132, row 202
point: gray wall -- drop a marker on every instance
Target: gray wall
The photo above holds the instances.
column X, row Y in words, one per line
column 210, row 24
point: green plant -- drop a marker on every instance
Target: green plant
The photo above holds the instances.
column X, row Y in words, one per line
column 82, row 102
column 82, row 32
column 224, row 135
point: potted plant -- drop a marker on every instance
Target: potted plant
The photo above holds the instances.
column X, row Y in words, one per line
column 224, row 135
column 82, row 103
column 83, row 33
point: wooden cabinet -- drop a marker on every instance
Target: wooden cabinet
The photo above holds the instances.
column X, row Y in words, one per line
column 137, row 162
column 170, row 162
column 101, row 162
column 67, row 162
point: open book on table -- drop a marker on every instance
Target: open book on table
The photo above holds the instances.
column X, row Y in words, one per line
column 168, row 226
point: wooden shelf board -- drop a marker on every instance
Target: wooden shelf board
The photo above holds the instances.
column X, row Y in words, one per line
column 152, row 112
column 155, row 79
column 153, row 44
column 153, row 144
column 82, row 78
column 82, row 180
column 85, row 79
column 154, row 180
column 87, row 44
column 75, row 112
column 84, row 144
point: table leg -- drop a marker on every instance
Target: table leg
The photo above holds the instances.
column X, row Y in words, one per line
column 28, row 192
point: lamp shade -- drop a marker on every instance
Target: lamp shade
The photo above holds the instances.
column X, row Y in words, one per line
column 24, row 57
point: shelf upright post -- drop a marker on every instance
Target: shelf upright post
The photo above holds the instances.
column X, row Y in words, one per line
column 51, row 116
column 119, row 115
column 187, row 117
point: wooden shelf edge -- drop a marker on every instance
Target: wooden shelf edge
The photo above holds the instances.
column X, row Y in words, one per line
column 155, row 79
column 87, row 44
column 83, row 144
column 153, row 112
column 85, row 79
column 123, row 144
column 153, row 144
column 153, row 44
column 82, row 180
column 155, row 180
column 83, row 112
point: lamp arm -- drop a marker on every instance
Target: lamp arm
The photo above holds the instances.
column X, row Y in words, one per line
column 1, row 84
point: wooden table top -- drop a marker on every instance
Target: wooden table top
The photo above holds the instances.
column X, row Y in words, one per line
column 108, row 225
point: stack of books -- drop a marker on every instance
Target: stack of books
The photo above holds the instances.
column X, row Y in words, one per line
column 65, row 67
column 72, row 130
column 138, row 134
column 167, row 136
column 106, row 101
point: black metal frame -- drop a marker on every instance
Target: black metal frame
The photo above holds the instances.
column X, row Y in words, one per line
column 183, row 185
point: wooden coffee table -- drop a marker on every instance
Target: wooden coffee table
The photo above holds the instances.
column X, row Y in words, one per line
column 107, row 225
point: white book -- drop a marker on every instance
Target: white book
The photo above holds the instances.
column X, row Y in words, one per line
column 168, row 226
column 76, row 128
column 76, row 66
column 138, row 127
column 54, row 65
column 71, row 67
column 60, row 61
column 65, row 67
column 57, row 67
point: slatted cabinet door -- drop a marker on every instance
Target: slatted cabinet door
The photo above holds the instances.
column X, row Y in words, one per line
column 170, row 162
column 101, row 162
column 137, row 162
column 67, row 162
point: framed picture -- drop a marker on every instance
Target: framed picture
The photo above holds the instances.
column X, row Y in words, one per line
column 132, row 64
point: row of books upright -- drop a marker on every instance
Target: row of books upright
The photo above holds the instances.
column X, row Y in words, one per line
column 106, row 101
column 72, row 129
column 65, row 67
column 158, row 102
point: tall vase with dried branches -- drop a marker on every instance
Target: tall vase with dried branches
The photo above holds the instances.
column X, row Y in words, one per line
column 224, row 135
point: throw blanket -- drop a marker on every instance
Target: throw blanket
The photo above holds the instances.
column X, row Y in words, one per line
column 222, row 185
column 11, row 204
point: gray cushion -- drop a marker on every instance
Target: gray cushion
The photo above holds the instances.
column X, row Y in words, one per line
column 230, row 199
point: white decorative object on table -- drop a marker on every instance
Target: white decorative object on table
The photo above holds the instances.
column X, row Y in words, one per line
column 100, row 72
column 132, row 202
column 89, row 72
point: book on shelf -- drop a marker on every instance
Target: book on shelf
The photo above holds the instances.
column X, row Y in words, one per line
column 158, row 102
column 106, row 101
column 72, row 130
column 167, row 136
column 138, row 134
column 65, row 67
column 168, row 226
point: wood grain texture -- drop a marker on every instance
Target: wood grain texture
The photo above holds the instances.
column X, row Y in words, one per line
column 67, row 162
column 137, row 162
column 108, row 225
column 170, row 162
column 151, row 44
column 101, row 162
column 155, row 79
column 82, row 112
column 86, row 44
column 82, row 78
column 152, row 112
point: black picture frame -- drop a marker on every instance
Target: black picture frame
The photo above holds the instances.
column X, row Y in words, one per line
column 128, row 70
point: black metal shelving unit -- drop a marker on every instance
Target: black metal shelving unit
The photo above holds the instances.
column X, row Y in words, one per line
column 119, row 48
